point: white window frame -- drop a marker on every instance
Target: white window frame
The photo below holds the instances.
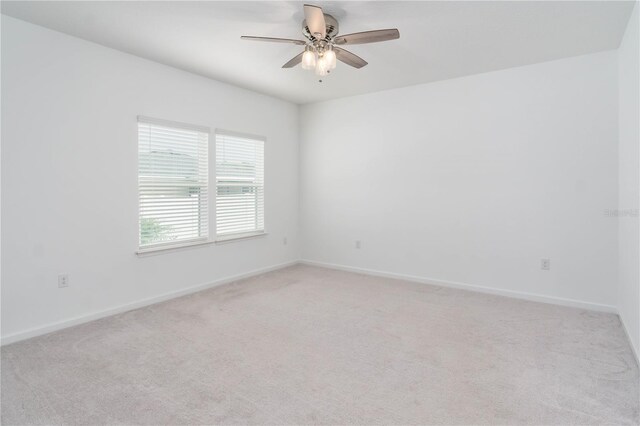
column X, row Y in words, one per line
column 168, row 246
column 226, row 238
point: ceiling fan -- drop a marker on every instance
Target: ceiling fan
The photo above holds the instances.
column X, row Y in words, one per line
column 322, row 40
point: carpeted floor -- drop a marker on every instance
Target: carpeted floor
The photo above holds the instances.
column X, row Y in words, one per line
column 307, row 345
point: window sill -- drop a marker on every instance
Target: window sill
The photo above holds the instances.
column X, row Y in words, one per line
column 168, row 248
column 238, row 237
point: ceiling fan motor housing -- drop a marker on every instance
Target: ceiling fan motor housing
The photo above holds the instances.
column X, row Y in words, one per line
column 331, row 29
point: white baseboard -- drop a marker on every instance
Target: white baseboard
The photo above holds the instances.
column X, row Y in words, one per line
column 633, row 348
column 38, row 331
column 472, row 287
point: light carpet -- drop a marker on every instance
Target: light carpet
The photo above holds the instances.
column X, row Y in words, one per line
column 307, row 345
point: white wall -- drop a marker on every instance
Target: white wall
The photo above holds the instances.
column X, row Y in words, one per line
column 69, row 177
column 629, row 202
column 472, row 180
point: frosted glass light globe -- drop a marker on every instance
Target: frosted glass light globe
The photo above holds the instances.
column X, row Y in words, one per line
column 322, row 67
column 308, row 60
column 330, row 57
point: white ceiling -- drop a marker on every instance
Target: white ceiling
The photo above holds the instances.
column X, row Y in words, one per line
column 438, row 40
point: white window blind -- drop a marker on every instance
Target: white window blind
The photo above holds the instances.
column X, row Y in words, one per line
column 172, row 183
column 239, row 185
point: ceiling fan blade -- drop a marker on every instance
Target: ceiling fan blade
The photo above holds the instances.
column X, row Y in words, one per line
column 349, row 58
column 368, row 37
column 272, row 39
column 294, row 61
column 315, row 21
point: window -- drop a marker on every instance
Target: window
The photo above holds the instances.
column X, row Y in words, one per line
column 239, row 186
column 172, row 183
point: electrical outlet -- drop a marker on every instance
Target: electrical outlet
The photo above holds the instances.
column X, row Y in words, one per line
column 284, row 241
column 358, row 244
column 545, row 264
column 63, row 280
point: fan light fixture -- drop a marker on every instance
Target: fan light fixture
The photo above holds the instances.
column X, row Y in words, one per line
column 318, row 59
column 322, row 59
